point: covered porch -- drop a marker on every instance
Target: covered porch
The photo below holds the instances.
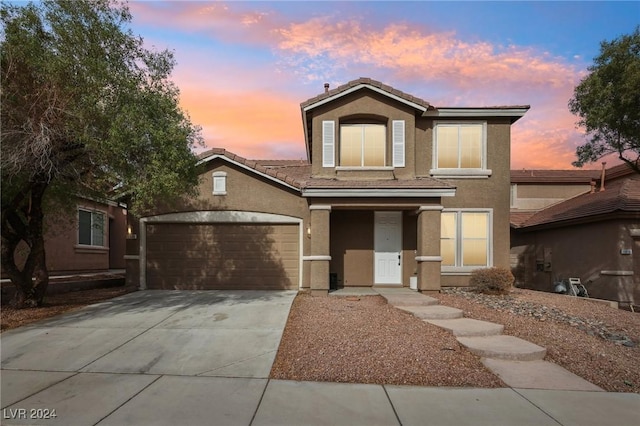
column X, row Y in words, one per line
column 374, row 243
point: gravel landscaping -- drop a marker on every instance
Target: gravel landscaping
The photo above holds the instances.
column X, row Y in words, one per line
column 365, row 340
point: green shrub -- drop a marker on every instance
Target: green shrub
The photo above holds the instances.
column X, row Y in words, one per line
column 492, row 280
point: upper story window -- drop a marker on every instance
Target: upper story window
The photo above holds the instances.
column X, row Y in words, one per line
column 460, row 150
column 363, row 145
column 91, row 228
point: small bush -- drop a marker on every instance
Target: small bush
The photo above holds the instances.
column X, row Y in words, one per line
column 492, row 280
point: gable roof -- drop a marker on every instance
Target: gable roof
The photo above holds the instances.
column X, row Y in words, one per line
column 620, row 195
column 365, row 83
column 296, row 174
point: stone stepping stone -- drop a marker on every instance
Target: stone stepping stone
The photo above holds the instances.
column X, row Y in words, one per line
column 537, row 375
column 503, row 347
column 433, row 312
column 468, row 327
column 410, row 300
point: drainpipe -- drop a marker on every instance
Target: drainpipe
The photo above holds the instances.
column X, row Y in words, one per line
column 604, row 163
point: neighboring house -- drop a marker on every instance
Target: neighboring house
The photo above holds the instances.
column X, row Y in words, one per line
column 594, row 236
column 90, row 239
column 395, row 191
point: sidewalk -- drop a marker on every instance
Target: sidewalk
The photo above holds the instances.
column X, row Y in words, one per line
column 139, row 399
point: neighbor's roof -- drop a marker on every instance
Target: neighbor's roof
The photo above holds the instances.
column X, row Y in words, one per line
column 554, row 176
column 620, row 195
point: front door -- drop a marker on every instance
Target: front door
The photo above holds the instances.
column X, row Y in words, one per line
column 388, row 248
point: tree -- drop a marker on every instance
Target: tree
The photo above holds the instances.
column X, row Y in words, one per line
column 85, row 108
column 608, row 103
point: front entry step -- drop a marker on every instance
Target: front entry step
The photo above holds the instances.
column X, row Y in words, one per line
column 503, row 347
column 467, row 327
column 415, row 299
column 433, row 312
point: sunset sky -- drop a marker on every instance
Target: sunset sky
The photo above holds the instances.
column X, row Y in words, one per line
column 243, row 68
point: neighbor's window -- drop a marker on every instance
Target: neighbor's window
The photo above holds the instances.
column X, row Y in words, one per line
column 465, row 239
column 91, row 227
column 459, row 146
column 363, row 145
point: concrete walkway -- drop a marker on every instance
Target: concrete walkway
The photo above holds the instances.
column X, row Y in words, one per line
column 203, row 358
column 517, row 362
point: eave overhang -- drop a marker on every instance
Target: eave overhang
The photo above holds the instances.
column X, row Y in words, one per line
column 360, row 87
column 512, row 112
column 378, row 193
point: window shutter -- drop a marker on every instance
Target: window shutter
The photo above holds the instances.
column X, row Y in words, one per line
column 398, row 143
column 328, row 144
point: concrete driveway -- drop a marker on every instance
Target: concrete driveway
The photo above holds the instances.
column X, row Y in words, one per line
column 104, row 354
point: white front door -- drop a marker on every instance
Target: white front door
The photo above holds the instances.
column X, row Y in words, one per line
column 388, row 248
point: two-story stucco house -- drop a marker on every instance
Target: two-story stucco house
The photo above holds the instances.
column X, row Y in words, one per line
column 395, row 191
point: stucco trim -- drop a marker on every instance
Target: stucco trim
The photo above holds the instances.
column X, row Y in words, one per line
column 382, row 193
column 316, row 257
column 320, row 207
column 364, row 86
column 252, row 170
column 428, row 258
column 617, row 273
column 461, row 173
column 219, row 216
column 430, row 208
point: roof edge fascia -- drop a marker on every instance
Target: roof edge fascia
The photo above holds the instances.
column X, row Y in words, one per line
column 382, row 193
column 250, row 169
column 364, row 86
column 513, row 112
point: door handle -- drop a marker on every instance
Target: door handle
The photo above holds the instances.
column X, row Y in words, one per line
column 399, row 260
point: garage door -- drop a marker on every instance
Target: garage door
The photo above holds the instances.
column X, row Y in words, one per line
column 222, row 256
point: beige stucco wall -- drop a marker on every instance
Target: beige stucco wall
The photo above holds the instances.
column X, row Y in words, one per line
column 582, row 251
column 245, row 191
column 491, row 193
column 367, row 105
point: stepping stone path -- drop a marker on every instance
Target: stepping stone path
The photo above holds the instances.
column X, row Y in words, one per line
column 517, row 362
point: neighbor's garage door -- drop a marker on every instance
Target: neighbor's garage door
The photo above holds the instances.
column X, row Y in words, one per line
column 222, row 256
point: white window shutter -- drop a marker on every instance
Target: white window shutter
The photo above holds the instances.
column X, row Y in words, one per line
column 398, row 143
column 328, row 143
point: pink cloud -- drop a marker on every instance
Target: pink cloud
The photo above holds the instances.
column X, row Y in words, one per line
column 252, row 124
column 255, row 112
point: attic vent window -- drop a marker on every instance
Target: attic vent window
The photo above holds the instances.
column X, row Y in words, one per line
column 219, row 183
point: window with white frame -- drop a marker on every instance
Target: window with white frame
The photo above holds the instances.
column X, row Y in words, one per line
column 459, row 147
column 465, row 239
column 219, row 183
column 91, row 228
column 362, row 145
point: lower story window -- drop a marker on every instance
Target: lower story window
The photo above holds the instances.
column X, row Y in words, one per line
column 465, row 239
column 91, row 228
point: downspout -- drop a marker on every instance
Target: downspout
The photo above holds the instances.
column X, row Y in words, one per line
column 604, row 163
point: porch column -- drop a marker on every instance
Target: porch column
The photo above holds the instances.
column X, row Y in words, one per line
column 320, row 254
column 428, row 248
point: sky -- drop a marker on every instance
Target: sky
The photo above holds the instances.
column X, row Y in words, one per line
column 243, row 68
